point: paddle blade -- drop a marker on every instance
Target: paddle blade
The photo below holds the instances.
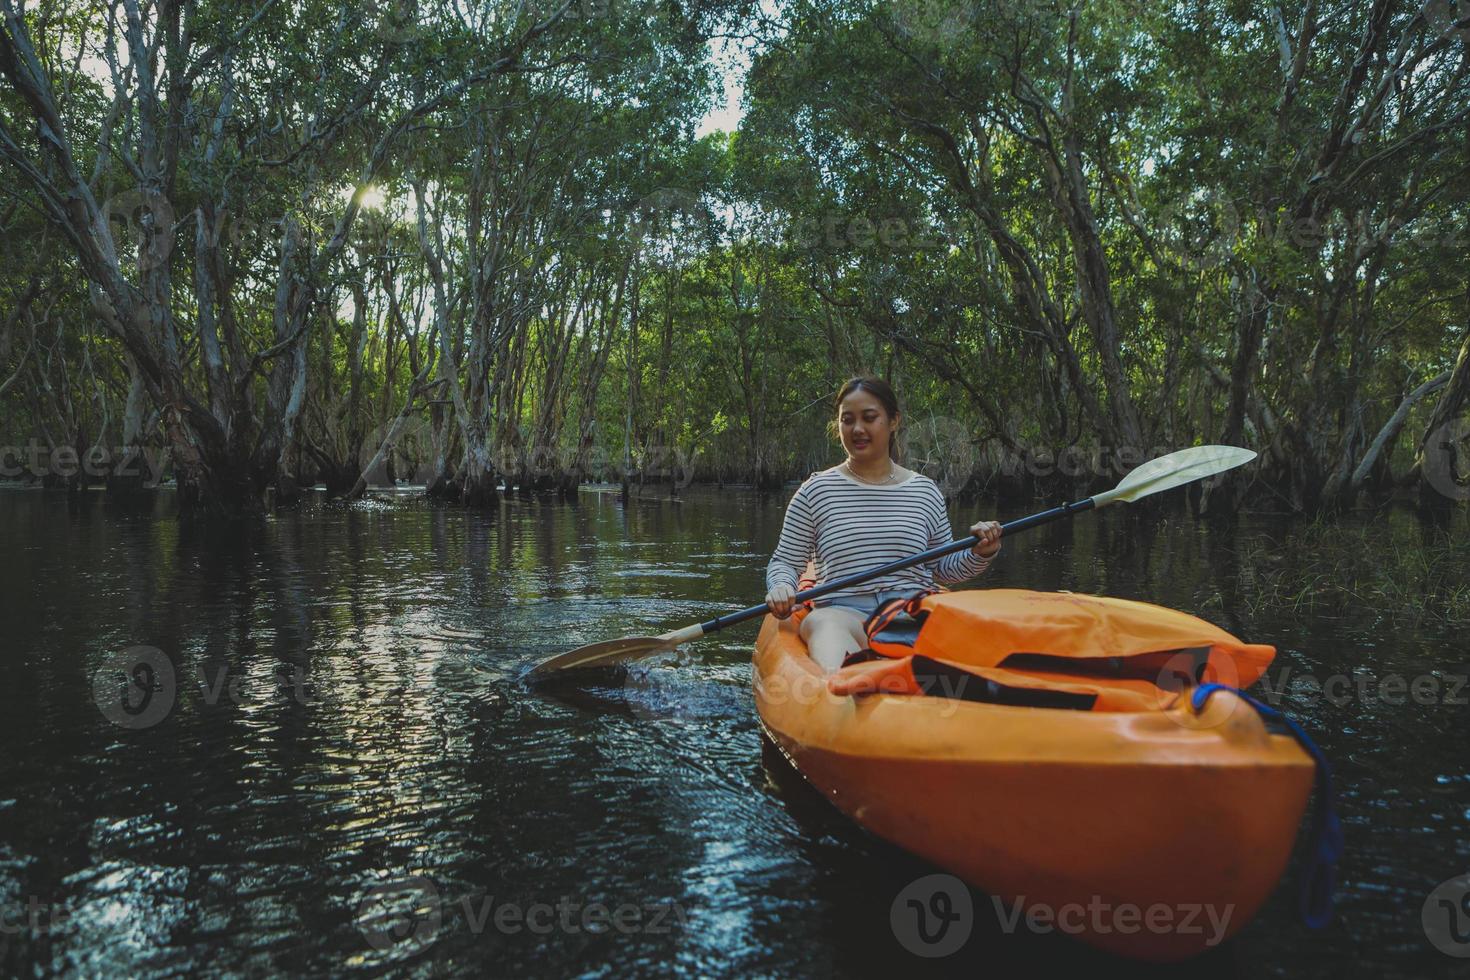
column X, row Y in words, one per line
column 1175, row 470
column 603, row 654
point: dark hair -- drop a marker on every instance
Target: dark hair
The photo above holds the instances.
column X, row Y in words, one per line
column 880, row 390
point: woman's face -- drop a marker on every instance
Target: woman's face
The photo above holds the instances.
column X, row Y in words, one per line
column 865, row 426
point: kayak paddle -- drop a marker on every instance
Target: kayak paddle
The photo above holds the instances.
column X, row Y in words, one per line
column 1155, row 476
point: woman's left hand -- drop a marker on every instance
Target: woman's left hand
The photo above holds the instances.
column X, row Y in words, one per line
column 989, row 534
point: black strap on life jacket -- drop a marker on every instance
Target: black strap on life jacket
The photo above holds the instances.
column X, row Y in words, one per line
column 939, row 679
column 898, row 620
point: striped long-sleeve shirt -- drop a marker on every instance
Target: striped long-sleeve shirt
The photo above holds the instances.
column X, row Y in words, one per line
column 844, row 527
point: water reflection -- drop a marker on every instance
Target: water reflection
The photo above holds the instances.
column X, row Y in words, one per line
column 348, row 716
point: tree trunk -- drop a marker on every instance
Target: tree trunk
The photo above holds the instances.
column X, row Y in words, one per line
column 133, row 473
column 1443, row 463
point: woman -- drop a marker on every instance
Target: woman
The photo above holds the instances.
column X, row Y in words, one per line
column 864, row 512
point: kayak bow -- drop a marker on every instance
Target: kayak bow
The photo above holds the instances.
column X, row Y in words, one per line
column 1063, row 810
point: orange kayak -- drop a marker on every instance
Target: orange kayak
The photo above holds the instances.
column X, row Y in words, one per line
column 1149, row 833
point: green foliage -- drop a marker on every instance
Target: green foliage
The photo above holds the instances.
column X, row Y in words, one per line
column 1368, row 569
column 989, row 202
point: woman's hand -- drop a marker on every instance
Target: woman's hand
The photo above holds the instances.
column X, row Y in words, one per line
column 780, row 600
column 988, row 533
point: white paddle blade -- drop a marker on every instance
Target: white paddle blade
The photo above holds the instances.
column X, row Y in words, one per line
column 1175, row 470
column 603, row 654
column 610, row 652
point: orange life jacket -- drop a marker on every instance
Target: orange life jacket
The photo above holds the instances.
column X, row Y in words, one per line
column 1133, row 656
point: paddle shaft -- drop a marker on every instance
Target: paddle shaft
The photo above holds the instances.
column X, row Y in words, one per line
column 1174, row 470
column 959, row 544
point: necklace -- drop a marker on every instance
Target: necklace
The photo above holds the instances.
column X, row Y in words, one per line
column 876, row 483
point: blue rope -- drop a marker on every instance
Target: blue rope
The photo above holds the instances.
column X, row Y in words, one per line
column 1321, row 873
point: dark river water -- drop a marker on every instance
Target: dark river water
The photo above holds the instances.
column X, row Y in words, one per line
column 351, row 777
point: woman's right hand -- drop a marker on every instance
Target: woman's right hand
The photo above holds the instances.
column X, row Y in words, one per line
column 780, row 601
